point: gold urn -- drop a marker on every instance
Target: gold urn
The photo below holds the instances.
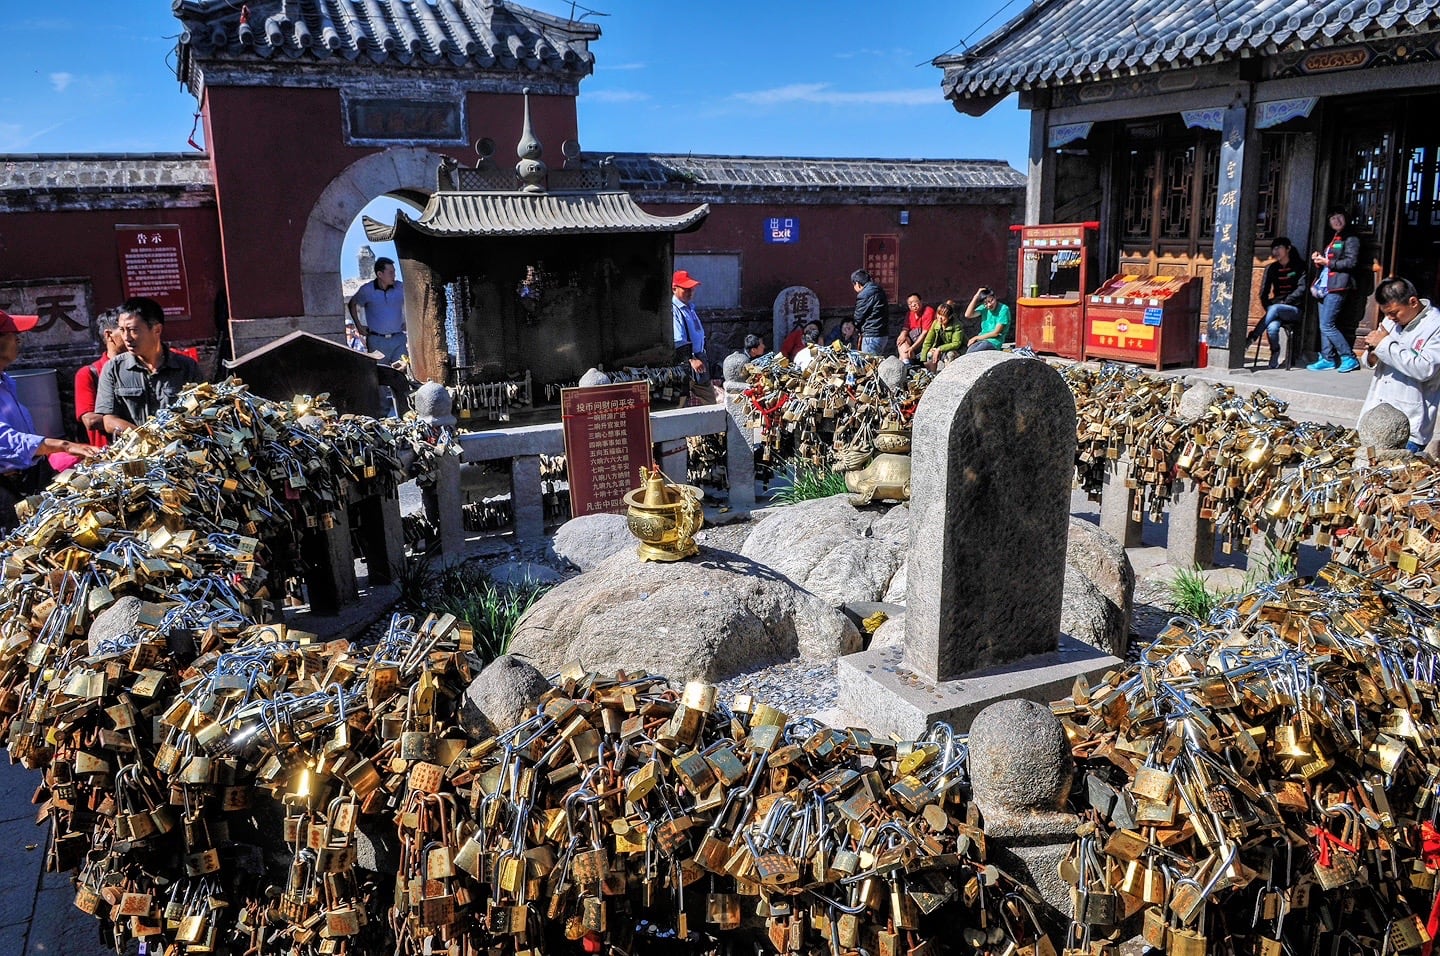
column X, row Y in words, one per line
column 664, row 516
column 887, row 476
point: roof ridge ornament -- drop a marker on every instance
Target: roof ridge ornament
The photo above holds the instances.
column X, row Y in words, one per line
column 531, row 170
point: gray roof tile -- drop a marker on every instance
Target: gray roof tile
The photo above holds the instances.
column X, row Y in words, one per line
column 1067, row 41
column 420, row 33
column 638, row 170
column 532, row 214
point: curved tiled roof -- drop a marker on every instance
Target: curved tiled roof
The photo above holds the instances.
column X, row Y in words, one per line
column 489, row 34
column 647, row 170
column 1070, row 41
column 533, row 214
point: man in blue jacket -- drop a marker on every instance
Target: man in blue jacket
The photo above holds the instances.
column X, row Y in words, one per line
column 872, row 313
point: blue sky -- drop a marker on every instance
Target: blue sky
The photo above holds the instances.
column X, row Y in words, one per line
column 785, row 77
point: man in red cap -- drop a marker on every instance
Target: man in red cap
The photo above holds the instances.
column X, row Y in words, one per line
column 690, row 336
column 20, row 447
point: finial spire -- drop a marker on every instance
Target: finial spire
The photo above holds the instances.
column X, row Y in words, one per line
column 530, row 169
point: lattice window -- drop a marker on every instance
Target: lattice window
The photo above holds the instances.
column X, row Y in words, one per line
column 1270, row 186
column 1414, row 186
column 1139, row 216
column 1364, row 176
column 1175, row 206
column 1209, row 191
column 1432, row 170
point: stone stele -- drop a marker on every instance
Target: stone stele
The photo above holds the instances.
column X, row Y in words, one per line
column 993, row 455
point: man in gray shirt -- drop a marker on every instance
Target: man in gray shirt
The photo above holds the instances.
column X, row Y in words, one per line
column 384, row 302
column 147, row 376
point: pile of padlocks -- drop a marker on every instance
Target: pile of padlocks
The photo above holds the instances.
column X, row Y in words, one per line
column 833, row 408
column 1268, row 778
column 1237, row 452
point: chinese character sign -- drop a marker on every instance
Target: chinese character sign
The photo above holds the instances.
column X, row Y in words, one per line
column 782, row 230
column 152, row 264
column 607, row 441
column 1227, row 222
column 64, row 311
column 882, row 261
column 794, row 304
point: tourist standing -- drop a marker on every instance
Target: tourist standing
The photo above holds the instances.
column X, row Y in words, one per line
column 383, row 299
column 690, row 336
column 1282, row 296
column 1339, row 260
column 87, row 382
column 872, row 312
column 994, row 317
column 148, row 375
column 353, row 338
column 1404, row 351
column 20, row 472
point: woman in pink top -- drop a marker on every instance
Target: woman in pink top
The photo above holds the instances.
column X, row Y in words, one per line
column 917, row 323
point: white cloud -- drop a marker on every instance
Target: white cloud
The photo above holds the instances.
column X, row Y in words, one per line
column 60, row 81
column 823, row 94
column 15, row 139
column 626, row 66
column 615, row 96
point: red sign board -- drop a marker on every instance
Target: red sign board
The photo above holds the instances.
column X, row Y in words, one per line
column 607, row 442
column 152, row 264
column 882, row 261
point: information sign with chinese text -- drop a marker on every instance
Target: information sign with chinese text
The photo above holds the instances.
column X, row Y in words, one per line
column 152, row 264
column 882, row 261
column 782, row 230
column 607, row 441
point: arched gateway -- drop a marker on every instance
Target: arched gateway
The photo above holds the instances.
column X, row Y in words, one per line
column 312, row 108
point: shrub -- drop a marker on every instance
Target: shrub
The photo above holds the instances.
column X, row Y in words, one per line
column 804, row 481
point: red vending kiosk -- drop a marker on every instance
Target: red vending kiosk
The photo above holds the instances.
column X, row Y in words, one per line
column 1150, row 320
column 1052, row 278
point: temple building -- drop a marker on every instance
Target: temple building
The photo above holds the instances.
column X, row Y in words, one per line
column 1195, row 133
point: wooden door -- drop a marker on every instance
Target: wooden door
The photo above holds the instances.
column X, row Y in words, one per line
column 1167, row 211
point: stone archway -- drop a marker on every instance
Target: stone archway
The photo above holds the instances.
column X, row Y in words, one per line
column 407, row 170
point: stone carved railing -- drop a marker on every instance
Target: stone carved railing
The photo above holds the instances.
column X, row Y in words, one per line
column 522, row 447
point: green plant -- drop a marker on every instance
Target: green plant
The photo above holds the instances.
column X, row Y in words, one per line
column 491, row 610
column 803, row 481
column 1191, row 594
column 1273, row 565
column 415, row 579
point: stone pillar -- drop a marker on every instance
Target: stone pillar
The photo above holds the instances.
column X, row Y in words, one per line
column 739, row 451
column 994, row 452
column 1020, row 772
column 1236, row 196
column 1117, row 504
column 1191, row 541
column 527, row 503
column 444, row 503
column 331, row 559
column 382, row 536
column 675, row 460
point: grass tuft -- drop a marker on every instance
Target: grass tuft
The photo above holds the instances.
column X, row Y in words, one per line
column 805, row 481
column 492, row 610
column 1191, row 595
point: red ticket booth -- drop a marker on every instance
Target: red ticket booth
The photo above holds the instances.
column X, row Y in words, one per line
column 1055, row 266
column 1151, row 320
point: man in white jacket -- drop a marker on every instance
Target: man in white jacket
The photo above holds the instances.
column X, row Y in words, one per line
column 1404, row 351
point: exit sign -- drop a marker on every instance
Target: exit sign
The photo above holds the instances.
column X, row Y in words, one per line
column 782, row 230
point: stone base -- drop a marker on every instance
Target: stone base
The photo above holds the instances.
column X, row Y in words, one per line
column 875, row 690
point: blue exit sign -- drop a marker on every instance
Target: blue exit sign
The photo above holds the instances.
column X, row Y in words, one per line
column 782, row 230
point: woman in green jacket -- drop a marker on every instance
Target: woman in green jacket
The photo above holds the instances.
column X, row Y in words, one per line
column 945, row 338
